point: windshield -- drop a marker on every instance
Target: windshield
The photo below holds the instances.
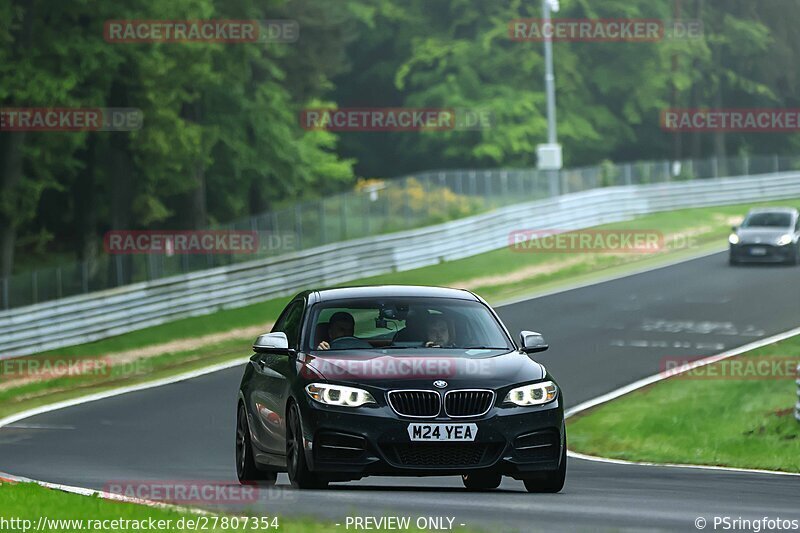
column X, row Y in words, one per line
column 768, row 220
column 404, row 323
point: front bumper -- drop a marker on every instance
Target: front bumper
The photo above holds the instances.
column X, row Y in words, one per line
column 761, row 253
column 344, row 443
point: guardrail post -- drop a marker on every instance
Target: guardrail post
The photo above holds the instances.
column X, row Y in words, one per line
column 714, row 167
column 775, row 163
column 746, row 164
column 5, row 293
column 797, row 405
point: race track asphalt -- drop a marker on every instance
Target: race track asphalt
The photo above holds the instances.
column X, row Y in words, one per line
column 602, row 337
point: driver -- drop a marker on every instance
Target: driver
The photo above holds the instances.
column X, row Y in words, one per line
column 341, row 324
column 438, row 333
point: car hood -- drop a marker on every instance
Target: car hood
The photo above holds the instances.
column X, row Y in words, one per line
column 420, row 368
column 761, row 235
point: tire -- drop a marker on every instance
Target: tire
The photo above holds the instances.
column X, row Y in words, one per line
column 299, row 474
column 732, row 261
column 246, row 469
column 795, row 258
column 550, row 481
column 481, row 481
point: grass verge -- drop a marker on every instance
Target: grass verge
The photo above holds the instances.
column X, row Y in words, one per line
column 27, row 502
column 738, row 413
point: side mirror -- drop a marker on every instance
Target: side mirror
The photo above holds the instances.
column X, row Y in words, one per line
column 532, row 342
column 272, row 343
column 734, row 228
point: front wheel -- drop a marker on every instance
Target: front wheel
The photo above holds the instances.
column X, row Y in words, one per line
column 552, row 481
column 246, row 469
column 299, row 474
column 795, row 257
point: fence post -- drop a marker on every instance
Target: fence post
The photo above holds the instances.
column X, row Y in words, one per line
column 746, row 163
column 714, row 168
column 776, row 162
column 298, row 225
column 59, row 288
column 34, row 286
column 118, row 269
column 343, row 217
column 5, row 293
column 323, row 232
column 365, row 211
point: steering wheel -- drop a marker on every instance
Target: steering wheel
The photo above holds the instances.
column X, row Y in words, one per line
column 343, row 343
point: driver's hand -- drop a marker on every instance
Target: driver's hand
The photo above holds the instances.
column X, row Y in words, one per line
column 324, row 346
column 431, row 344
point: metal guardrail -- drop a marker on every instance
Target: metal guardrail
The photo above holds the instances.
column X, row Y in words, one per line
column 375, row 207
column 90, row 317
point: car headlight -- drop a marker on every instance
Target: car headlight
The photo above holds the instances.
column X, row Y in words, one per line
column 733, row 239
column 339, row 395
column 784, row 240
column 534, row 394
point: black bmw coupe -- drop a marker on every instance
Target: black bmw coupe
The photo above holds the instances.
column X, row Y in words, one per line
column 398, row 380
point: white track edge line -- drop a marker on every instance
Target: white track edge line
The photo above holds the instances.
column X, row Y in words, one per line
column 103, row 494
column 16, row 417
column 661, row 377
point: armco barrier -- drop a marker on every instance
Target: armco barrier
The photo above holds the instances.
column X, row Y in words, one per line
column 86, row 318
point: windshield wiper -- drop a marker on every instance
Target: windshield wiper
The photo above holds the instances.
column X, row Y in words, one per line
column 398, row 347
column 484, row 348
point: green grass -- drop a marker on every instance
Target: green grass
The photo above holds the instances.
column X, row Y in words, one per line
column 700, row 419
column 499, row 263
column 27, row 501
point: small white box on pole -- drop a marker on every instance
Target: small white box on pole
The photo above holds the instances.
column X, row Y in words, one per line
column 548, row 156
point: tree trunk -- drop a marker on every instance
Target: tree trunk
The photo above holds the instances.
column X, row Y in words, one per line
column 10, row 175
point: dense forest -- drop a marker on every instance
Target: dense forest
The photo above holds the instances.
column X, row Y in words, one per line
column 221, row 137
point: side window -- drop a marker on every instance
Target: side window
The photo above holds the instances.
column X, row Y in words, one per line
column 290, row 322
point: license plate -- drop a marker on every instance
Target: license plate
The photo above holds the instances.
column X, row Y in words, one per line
column 442, row 432
column 758, row 251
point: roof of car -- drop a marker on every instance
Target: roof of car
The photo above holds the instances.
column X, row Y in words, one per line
column 774, row 210
column 388, row 291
